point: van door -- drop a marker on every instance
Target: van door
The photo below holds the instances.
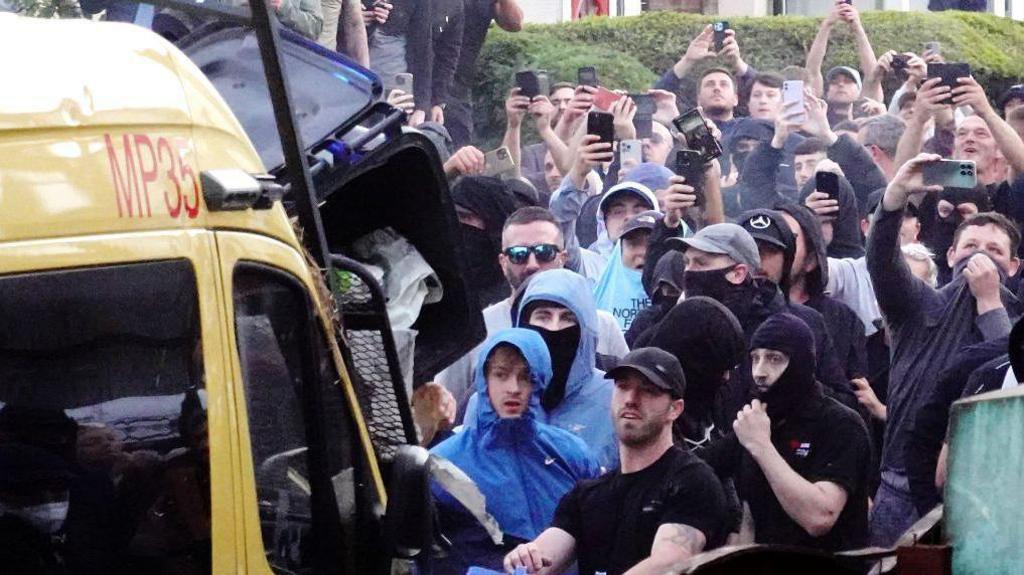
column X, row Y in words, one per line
column 309, row 483
column 116, row 452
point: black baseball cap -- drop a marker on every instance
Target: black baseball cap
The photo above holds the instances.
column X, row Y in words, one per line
column 642, row 221
column 658, row 366
column 1015, row 92
column 768, row 226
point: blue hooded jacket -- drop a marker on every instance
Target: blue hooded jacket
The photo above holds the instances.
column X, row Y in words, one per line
column 521, row 465
column 586, row 408
column 620, row 290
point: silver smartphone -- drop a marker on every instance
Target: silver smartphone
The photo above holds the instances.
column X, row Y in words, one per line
column 498, row 162
column 793, row 98
column 402, row 82
column 951, row 174
column 631, row 151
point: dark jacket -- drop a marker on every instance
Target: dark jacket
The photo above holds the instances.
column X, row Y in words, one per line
column 477, row 16
column 928, row 430
column 845, row 328
column 411, row 19
column 446, row 38
column 928, row 327
column 847, row 240
column 856, row 163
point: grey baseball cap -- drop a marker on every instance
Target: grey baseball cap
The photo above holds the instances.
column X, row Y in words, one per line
column 642, row 221
column 723, row 239
column 845, row 71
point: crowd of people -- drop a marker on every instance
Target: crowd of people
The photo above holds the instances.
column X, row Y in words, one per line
column 766, row 352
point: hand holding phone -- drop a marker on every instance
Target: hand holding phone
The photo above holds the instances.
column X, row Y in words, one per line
column 793, row 99
column 690, row 165
column 604, row 98
column 949, row 73
column 602, row 125
column 528, row 83
column 630, row 153
column 827, row 183
column 498, row 162
column 698, row 136
column 586, row 76
column 951, row 174
column 720, row 29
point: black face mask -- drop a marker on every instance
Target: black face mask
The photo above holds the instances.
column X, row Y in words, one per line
column 562, row 345
column 711, row 283
column 481, row 256
column 738, row 160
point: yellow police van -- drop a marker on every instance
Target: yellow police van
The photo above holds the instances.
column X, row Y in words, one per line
column 179, row 390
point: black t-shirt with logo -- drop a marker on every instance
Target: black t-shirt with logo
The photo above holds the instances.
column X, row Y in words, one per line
column 826, row 441
column 614, row 518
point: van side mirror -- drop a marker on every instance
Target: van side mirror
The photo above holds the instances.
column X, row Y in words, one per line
column 409, row 519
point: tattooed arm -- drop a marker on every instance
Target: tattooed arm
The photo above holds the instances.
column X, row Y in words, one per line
column 674, row 543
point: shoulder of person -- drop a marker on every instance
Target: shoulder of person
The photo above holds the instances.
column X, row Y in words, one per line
column 842, row 422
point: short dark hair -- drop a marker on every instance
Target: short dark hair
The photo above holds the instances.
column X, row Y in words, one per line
column 906, row 98
column 769, row 79
column 996, row 219
column 716, row 70
column 810, row 146
column 532, row 214
column 560, row 85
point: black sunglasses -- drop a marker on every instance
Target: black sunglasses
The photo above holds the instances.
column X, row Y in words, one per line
column 545, row 253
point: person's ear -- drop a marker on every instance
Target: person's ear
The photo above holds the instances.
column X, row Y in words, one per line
column 865, row 225
column 502, row 260
column 1014, row 267
column 675, row 409
column 949, row 257
column 738, row 274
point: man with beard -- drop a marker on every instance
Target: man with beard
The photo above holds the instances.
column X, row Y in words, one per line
column 799, row 459
column 929, row 326
column 531, row 242
column 662, row 506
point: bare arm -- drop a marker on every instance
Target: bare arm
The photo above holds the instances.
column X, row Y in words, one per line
column 551, row 552
column 929, row 101
column 714, row 208
column 673, row 544
column 354, row 31
column 816, row 55
column 865, row 54
column 970, row 93
column 515, row 111
column 508, row 15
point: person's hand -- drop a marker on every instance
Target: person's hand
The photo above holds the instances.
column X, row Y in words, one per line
column 701, row 48
column 376, row 14
column 848, row 13
column 866, row 397
column 465, row 161
column 665, row 107
column 822, row 205
column 527, row 555
column 970, row 93
column 753, row 428
column 437, row 114
column 932, row 98
column 433, row 410
column 870, row 108
column 582, row 101
column 417, row 118
column 883, row 66
column 590, row 154
column 679, row 196
column 909, row 179
column 623, row 112
column 983, row 280
column 917, row 68
column 786, row 123
column 834, row 15
column 817, row 119
column 276, row 4
column 516, row 107
column 542, row 110
column 402, row 100
column 730, row 52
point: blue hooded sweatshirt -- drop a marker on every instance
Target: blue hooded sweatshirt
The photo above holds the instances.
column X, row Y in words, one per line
column 620, row 290
column 521, row 465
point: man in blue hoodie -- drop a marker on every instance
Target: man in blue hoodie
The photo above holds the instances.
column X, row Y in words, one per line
column 522, row 466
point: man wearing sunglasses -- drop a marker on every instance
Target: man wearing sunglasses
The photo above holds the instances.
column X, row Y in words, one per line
column 531, row 242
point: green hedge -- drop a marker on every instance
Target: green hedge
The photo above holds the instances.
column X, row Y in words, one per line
column 630, row 52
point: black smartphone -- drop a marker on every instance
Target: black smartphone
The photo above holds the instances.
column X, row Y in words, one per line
column 690, row 165
column 587, row 76
column 720, row 28
column 643, row 121
column 827, row 183
column 698, row 137
column 949, row 72
column 899, row 62
column 528, row 83
column 602, row 125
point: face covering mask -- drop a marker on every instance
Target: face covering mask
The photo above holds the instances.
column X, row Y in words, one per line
column 46, row 518
column 711, row 283
column 481, row 256
column 958, row 269
column 738, row 160
column 562, row 346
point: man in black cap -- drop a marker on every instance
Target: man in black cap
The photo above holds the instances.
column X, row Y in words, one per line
column 800, row 459
column 660, row 507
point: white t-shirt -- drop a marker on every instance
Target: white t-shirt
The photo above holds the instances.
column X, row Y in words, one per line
column 850, row 283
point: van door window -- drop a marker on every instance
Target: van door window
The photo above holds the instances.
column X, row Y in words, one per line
column 303, row 443
column 104, row 461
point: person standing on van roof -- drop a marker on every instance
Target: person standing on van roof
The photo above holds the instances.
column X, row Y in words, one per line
column 477, row 19
column 521, row 465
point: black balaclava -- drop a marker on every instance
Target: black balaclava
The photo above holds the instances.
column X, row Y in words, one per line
column 489, row 199
column 669, row 270
column 847, row 239
column 562, row 345
column 790, row 335
column 708, row 341
column 713, row 284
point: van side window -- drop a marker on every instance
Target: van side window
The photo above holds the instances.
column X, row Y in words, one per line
column 104, row 457
column 301, row 433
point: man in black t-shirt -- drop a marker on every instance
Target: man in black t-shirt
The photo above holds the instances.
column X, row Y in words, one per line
column 662, row 506
column 799, row 459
